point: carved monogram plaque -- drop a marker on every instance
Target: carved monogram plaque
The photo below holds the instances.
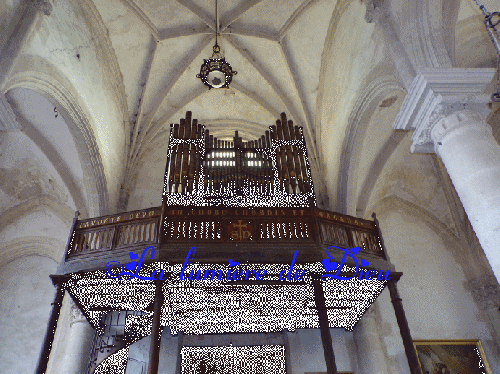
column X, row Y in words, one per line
column 240, row 230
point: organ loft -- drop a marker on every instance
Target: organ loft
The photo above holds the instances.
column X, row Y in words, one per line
column 227, row 204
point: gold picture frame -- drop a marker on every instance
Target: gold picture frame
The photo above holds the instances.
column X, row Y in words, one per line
column 451, row 357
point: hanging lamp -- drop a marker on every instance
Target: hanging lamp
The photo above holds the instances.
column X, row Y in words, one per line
column 216, row 72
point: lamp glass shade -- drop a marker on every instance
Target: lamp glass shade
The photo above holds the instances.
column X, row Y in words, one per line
column 216, row 79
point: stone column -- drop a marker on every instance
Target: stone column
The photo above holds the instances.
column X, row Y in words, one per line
column 446, row 109
column 79, row 342
column 371, row 358
column 465, row 143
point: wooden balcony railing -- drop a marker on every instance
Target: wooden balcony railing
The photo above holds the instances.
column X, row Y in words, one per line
column 227, row 225
column 183, row 227
column 103, row 234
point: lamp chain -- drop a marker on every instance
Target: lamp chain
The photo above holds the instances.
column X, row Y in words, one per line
column 491, row 26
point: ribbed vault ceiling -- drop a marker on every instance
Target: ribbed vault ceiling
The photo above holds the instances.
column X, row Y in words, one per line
column 275, row 45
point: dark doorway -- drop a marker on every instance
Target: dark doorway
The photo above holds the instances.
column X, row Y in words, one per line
column 260, row 359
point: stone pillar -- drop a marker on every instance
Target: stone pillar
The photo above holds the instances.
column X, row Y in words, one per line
column 371, row 358
column 465, row 143
column 447, row 110
column 78, row 343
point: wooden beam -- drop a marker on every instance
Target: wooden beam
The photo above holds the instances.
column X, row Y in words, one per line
column 51, row 330
column 154, row 346
column 411, row 353
column 326, row 338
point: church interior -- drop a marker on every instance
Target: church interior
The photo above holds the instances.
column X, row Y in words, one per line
column 391, row 132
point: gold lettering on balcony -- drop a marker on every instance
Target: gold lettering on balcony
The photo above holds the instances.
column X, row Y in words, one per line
column 240, row 231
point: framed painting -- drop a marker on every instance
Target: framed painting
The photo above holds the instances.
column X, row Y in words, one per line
column 451, row 357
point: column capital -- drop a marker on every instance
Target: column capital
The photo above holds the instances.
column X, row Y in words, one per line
column 446, row 120
column 437, row 93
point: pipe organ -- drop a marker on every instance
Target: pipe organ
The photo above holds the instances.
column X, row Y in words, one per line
column 271, row 171
column 248, row 200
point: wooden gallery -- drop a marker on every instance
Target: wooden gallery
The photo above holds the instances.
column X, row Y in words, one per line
column 252, row 202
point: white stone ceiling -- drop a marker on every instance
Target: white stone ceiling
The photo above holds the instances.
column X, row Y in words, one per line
column 130, row 67
column 275, row 45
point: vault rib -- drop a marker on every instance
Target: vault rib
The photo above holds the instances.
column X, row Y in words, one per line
column 143, row 98
column 199, row 12
column 256, row 97
column 298, row 84
column 154, row 131
column 266, row 75
column 181, row 67
column 142, row 16
column 238, row 30
column 302, row 7
column 236, row 13
column 176, row 32
column 326, row 56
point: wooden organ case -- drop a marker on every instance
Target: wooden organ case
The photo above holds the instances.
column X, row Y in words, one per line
column 249, row 204
column 271, row 171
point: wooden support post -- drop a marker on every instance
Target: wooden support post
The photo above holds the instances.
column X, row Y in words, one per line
column 154, row 347
column 326, row 338
column 51, row 329
column 411, row 354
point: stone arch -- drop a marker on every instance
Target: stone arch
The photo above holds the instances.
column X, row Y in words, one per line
column 465, row 257
column 471, row 36
column 30, row 246
column 40, row 139
column 356, row 131
column 79, row 125
column 61, row 210
column 27, row 292
column 421, row 31
column 428, row 256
